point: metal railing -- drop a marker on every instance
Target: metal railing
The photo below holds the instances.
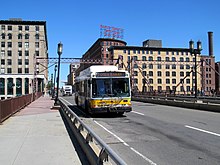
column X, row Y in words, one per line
column 96, row 150
column 10, row 106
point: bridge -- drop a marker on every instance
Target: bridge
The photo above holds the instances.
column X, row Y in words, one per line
column 153, row 133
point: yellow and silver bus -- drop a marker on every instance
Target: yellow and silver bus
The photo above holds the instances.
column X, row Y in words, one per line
column 103, row 88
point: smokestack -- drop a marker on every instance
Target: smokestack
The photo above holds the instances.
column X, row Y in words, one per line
column 210, row 36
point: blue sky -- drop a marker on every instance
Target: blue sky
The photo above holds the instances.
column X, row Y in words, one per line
column 76, row 23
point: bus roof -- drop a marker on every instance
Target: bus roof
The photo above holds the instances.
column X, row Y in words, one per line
column 98, row 68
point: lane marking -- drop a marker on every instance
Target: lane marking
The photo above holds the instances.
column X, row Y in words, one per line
column 198, row 129
column 126, row 144
column 138, row 113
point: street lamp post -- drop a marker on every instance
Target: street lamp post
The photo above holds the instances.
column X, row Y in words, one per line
column 195, row 52
column 59, row 52
column 54, row 84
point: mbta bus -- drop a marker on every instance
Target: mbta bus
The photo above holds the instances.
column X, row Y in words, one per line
column 102, row 89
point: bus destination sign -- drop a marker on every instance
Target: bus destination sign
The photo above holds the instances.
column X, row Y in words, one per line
column 110, row 74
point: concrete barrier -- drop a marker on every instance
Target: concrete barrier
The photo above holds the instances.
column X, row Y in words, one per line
column 192, row 103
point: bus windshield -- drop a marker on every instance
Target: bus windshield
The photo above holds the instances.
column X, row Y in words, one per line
column 115, row 87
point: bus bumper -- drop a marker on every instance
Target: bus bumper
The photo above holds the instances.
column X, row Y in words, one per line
column 111, row 109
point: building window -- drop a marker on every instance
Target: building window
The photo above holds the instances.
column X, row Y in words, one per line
column 9, row 36
column 9, row 53
column 150, row 73
column 3, row 27
column 3, row 36
column 134, row 51
column 167, row 66
column 174, row 66
column 187, row 59
column 167, row 53
column 188, row 81
column 26, row 36
column 19, row 53
column 150, row 58
column 19, row 70
column 36, row 44
column 18, row 86
column 167, row 81
column 181, row 66
column 9, row 27
column 2, row 86
column 159, row 66
column 139, row 52
column 20, row 36
column 151, row 66
column 135, row 73
column 181, row 59
column 173, row 59
column 2, row 61
column 158, row 58
column 144, row 58
column 181, row 74
column 135, row 66
column 2, row 54
column 167, row 74
column 9, row 70
column 159, row 73
column 37, row 53
column 20, row 28
column 27, row 28
column 173, row 74
column 135, row 58
column 19, row 61
column 26, row 53
column 173, row 81
column 187, row 66
column 167, row 59
column 124, row 51
column 2, row 44
column 37, row 28
column 20, row 44
column 26, row 61
column 9, row 44
column 151, row 81
column 26, row 70
column 129, row 52
column 144, row 66
column 9, row 61
column 26, row 44
column 144, row 73
column 159, row 81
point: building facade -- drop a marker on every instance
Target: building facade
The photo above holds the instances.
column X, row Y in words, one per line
column 158, row 69
column 22, row 42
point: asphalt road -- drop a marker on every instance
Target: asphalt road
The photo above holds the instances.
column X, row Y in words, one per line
column 163, row 135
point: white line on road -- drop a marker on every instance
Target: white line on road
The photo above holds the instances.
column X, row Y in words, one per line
column 138, row 113
column 198, row 129
column 144, row 157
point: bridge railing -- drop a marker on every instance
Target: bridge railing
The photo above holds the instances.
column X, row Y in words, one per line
column 96, row 150
column 8, row 107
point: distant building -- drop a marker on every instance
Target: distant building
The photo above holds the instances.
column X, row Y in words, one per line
column 72, row 70
column 99, row 52
column 21, row 43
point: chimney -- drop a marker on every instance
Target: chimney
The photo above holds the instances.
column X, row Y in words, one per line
column 210, row 37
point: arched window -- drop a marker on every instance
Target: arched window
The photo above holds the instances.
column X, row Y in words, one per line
column 37, row 36
column 3, row 35
column 2, row 86
column 19, row 36
column 26, row 86
column 10, row 86
column 9, row 36
column 26, row 36
column 18, row 86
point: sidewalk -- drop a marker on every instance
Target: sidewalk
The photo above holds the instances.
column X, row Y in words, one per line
column 36, row 135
